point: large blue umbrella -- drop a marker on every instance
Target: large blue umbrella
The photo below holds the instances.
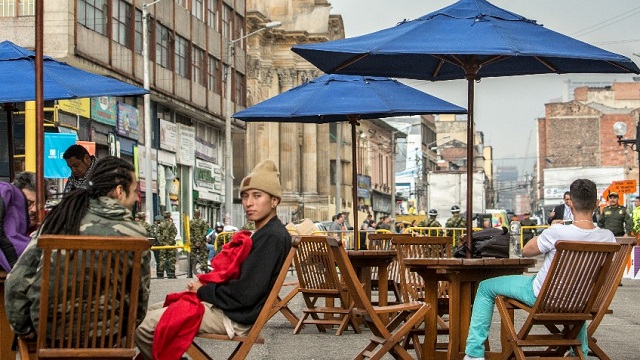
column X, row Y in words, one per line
column 469, row 39
column 333, row 98
column 61, row 81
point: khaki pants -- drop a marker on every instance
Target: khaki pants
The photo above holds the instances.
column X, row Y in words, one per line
column 213, row 322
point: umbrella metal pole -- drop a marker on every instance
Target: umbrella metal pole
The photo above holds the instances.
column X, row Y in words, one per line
column 353, row 120
column 9, row 109
column 39, row 112
column 471, row 72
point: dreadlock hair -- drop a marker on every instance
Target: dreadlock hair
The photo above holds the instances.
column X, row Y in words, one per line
column 108, row 173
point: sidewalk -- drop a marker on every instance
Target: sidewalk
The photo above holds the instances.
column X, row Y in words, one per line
column 616, row 333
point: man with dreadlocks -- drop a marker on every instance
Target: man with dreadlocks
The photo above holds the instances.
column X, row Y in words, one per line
column 101, row 207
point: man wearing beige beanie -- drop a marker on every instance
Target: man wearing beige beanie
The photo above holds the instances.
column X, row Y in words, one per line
column 232, row 307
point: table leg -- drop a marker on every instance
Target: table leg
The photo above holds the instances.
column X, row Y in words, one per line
column 455, row 306
column 383, row 290
column 431, row 324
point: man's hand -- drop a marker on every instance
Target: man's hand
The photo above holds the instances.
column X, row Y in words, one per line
column 193, row 286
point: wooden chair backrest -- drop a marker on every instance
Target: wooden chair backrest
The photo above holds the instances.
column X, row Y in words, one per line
column 577, row 273
column 315, row 266
column 605, row 296
column 88, row 278
column 383, row 242
column 419, row 247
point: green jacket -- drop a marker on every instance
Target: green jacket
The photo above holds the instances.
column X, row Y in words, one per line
column 22, row 288
column 166, row 232
column 197, row 231
column 616, row 219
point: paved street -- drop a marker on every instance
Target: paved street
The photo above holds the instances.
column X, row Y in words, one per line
column 617, row 334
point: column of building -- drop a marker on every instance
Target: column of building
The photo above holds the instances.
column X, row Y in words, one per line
column 289, row 140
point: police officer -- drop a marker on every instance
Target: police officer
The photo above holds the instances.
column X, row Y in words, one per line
column 166, row 234
column 527, row 234
column 455, row 221
column 140, row 217
column 197, row 232
column 615, row 217
column 431, row 222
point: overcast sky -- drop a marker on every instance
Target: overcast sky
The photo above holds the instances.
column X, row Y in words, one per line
column 506, row 108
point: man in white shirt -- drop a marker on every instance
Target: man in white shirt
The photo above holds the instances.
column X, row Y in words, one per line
column 524, row 288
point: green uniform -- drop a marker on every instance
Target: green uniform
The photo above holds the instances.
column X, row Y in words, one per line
column 455, row 221
column 616, row 219
column 197, row 232
column 431, row 222
column 166, row 234
column 527, row 234
column 106, row 217
column 636, row 220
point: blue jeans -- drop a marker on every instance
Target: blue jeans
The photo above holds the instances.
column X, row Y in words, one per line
column 519, row 287
column 212, row 251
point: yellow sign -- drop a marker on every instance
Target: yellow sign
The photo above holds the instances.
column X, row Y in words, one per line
column 80, row 107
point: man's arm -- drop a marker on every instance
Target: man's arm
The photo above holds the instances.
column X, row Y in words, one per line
column 18, row 301
column 531, row 248
column 601, row 220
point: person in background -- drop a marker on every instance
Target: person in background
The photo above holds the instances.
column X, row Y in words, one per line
column 233, row 306
column 81, row 165
column 615, row 217
column 384, row 223
column 456, row 221
column 527, row 234
column 166, row 234
column 102, row 208
column 336, row 227
column 636, row 215
column 525, row 288
column 432, row 222
column 140, row 218
column 197, row 231
column 18, row 216
column 561, row 212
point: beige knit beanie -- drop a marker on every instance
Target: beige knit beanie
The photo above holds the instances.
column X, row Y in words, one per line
column 264, row 177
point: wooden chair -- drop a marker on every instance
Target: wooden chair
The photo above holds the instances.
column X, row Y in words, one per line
column 81, row 315
column 577, row 273
column 413, row 284
column 386, row 338
column 270, row 308
column 383, row 242
column 318, row 279
column 605, row 296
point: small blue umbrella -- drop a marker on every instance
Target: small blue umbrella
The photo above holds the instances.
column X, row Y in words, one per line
column 61, row 81
column 469, row 39
column 333, row 98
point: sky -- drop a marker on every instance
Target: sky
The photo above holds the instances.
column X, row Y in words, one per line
column 506, row 108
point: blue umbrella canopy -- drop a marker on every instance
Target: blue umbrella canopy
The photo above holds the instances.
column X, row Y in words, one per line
column 61, row 81
column 469, row 39
column 331, row 98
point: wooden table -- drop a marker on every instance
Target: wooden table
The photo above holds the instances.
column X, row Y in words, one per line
column 363, row 261
column 463, row 276
column 6, row 335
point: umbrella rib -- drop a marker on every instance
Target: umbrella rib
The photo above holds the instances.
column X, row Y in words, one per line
column 546, row 63
column 350, row 62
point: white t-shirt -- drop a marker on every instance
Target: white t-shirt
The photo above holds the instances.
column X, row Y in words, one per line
column 547, row 245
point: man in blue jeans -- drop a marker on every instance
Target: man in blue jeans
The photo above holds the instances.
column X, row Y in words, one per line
column 584, row 200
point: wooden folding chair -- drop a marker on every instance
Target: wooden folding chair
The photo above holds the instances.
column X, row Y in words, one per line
column 386, row 338
column 82, row 314
column 383, row 242
column 605, row 296
column 270, row 308
column 319, row 279
column 413, row 284
column 576, row 275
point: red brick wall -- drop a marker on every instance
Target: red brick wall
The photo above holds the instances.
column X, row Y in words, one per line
column 626, row 90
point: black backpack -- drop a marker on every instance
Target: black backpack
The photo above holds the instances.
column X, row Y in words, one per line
column 487, row 243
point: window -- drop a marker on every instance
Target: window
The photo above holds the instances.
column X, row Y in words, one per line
column 25, row 8
column 121, row 23
column 138, row 31
column 163, row 46
column 198, row 63
column 182, row 56
column 227, row 13
column 213, row 15
column 92, row 15
column 238, row 29
column 213, row 83
column 240, row 93
column 7, row 8
column 198, row 9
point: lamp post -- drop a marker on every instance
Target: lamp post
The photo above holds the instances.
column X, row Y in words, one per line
column 228, row 175
column 148, row 171
column 620, row 129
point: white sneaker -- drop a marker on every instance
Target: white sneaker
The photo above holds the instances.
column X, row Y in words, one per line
column 467, row 357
